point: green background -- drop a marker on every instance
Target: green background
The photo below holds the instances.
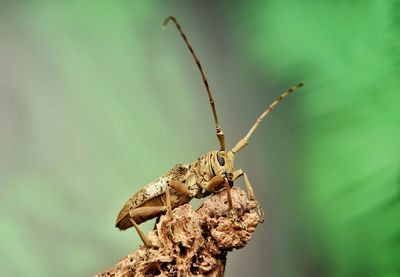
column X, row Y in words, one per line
column 96, row 101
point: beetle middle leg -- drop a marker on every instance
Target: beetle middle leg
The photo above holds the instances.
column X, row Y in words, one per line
column 181, row 189
column 178, row 187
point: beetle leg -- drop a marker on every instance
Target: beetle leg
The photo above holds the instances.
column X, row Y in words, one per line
column 234, row 216
column 181, row 188
column 236, row 174
column 214, row 183
column 142, row 235
column 250, row 191
column 168, row 200
column 252, row 198
column 228, row 193
column 144, row 212
column 169, row 212
column 217, row 181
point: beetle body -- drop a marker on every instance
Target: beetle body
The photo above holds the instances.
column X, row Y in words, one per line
column 153, row 194
column 194, row 177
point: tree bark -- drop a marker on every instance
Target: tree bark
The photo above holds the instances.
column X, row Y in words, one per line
column 194, row 243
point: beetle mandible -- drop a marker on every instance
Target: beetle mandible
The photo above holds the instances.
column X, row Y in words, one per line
column 210, row 173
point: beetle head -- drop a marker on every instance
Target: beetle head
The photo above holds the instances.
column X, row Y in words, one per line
column 221, row 161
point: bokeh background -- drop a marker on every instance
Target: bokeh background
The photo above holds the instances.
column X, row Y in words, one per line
column 96, row 101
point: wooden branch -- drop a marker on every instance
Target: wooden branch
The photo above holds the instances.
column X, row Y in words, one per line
column 194, row 243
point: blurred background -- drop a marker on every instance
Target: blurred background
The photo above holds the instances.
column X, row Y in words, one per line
column 97, row 101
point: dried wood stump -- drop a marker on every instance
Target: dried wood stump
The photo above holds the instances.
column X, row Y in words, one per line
column 194, row 243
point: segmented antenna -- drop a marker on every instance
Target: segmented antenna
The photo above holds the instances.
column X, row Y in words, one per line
column 244, row 141
column 220, row 134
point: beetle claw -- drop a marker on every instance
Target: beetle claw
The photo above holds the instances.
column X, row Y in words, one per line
column 228, row 176
column 237, row 221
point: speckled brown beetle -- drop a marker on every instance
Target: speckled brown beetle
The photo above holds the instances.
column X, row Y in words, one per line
column 211, row 172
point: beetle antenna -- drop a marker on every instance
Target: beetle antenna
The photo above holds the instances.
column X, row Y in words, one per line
column 220, row 134
column 244, row 141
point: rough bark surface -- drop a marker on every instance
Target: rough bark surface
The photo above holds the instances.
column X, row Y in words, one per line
column 194, row 243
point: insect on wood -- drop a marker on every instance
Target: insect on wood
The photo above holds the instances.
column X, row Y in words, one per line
column 212, row 172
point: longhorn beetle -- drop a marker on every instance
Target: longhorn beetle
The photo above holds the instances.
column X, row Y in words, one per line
column 211, row 172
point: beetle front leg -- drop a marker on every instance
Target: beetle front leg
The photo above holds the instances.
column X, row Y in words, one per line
column 216, row 182
column 181, row 189
column 250, row 191
column 229, row 196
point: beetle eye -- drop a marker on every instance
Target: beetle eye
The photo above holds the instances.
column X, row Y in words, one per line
column 221, row 160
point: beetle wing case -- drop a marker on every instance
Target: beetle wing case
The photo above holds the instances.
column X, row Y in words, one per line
column 153, row 194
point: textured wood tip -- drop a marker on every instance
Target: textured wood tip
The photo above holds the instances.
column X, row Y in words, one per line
column 193, row 243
